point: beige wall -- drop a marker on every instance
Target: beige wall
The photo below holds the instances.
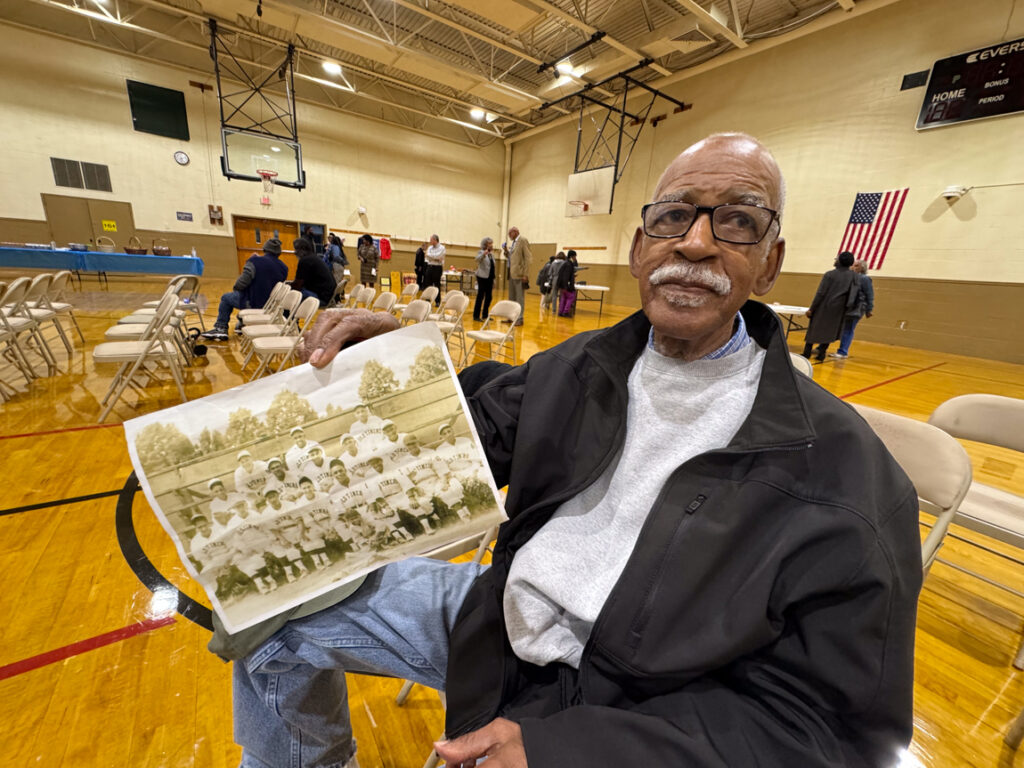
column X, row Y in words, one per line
column 830, row 107
column 65, row 100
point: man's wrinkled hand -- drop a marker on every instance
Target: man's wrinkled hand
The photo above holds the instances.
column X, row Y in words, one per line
column 500, row 741
column 337, row 327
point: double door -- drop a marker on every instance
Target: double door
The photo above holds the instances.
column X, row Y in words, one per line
column 84, row 220
column 252, row 233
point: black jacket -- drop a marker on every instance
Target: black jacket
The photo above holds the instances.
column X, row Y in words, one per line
column 316, row 277
column 766, row 615
column 837, row 292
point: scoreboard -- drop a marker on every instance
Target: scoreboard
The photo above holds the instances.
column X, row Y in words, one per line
column 987, row 82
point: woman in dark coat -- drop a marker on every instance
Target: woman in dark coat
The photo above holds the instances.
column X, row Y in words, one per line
column 837, row 291
column 369, row 258
column 312, row 276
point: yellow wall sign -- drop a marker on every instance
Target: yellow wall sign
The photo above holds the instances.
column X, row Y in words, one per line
column 109, row 225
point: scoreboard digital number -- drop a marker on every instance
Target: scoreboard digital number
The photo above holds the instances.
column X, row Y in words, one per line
column 987, row 82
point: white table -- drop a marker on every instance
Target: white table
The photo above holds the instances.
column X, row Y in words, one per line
column 600, row 290
column 790, row 312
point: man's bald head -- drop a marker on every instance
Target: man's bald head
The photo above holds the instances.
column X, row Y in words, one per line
column 740, row 145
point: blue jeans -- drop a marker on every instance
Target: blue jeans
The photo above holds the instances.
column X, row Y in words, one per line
column 229, row 302
column 846, row 338
column 290, row 698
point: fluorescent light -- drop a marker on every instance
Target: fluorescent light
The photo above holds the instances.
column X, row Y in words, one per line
column 275, row 149
column 332, row 67
column 476, row 113
column 564, row 67
column 490, row 117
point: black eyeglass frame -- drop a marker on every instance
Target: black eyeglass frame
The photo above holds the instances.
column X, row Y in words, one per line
column 710, row 211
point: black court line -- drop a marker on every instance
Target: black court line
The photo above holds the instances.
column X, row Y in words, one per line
column 137, row 560
column 57, row 503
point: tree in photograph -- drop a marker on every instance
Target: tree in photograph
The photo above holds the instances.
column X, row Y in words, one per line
column 288, row 410
column 162, row 445
column 211, row 441
column 242, row 428
column 378, row 380
column 428, row 365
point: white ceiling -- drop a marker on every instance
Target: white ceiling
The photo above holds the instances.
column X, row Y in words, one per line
column 424, row 64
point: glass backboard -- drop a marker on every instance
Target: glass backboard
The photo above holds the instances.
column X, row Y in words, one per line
column 246, row 152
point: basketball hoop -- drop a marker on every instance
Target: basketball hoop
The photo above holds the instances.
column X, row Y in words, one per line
column 578, row 207
column 268, row 185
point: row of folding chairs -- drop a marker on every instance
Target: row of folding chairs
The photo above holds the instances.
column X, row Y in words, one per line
column 28, row 307
column 273, row 331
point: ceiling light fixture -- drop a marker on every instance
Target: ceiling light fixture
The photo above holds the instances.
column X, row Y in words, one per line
column 275, row 149
column 332, row 67
column 476, row 113
column 564, row 67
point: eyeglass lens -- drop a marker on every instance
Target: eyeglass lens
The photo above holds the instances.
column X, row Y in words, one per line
column 737, row 223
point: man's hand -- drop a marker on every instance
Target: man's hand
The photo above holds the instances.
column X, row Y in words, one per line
column 501, row 741
column 867, row 314
column 807, row 313
column 526, row 283
column 337, row 327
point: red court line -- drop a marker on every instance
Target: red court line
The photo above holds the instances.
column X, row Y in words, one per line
column 889, row 381
column 58, row 431
column 83, row 646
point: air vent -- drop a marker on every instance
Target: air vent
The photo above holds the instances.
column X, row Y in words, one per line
column 80, row 175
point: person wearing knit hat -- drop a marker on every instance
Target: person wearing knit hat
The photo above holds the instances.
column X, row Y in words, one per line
column 252, row 288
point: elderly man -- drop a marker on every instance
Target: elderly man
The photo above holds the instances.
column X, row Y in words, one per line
column 517, row 251
column 710, row 560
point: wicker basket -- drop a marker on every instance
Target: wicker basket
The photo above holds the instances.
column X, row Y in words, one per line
column 105, row 244
column 161, row 250
column 134, row 246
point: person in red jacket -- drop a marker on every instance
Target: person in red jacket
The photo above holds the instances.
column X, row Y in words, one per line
column 709, row 560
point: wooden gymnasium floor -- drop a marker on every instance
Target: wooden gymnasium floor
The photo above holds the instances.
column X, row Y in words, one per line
column 98, row 669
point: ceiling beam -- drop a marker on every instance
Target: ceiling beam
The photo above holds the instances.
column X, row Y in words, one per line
column 714, row 25
column 847, row 5
column 568, row 18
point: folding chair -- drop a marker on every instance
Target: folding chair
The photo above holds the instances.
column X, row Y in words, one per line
column 268, row 347
column 429, row 293
column 802, row 364
column 448, row 297
column 408, row 294
column 339, row 293
column 286, row 327
column 354, row 294
column 415, row 312
column 385, row 302
column 503, row 311
column 936, row 464
column 55, row 299
column 12, row 352
column 17, row 319
column 189, row 286
column 269, row 312
column 365, row 297
column 36, row 308
column 142, row 356
column 450, row 320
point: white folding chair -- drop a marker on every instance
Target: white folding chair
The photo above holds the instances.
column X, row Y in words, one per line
column 268, row 347
column 141, row 357
column 429, row 293
column 802, row 364
column 385, row 302
column 936, row 464
column 503, row 311
column 55, row 299
column 12, row 352
column 19, row 321
column 188, row 293
column 353, row 295
column 408, row 294
column 283, row 325
column 365, row 297
column 270, row 312
column 35, row 305
column 416, row 312
column 450, row 321
column 337, row 298
column 452, row 295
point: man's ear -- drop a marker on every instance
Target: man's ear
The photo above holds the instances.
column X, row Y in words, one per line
column 634, row 252
column 771, row 268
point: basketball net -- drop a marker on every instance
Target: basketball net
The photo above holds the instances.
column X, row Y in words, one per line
column 268, row 186
column 578, row 207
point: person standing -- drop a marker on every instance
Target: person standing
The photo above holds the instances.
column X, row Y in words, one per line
column 837, row 292
column 517, row 251
column 420, row 266
column 864, row 307
column 369, row 258
column 312, row 276
column 563, row 286
column 484, row 279
column 544, row 281
column 435, row 266
column 252, row 288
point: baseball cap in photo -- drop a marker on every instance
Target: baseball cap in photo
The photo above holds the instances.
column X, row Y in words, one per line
column 243, row 454
column 216, row 481
column 296, row 429
column 273, row 461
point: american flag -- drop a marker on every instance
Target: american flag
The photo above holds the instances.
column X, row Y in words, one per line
column 872, row 222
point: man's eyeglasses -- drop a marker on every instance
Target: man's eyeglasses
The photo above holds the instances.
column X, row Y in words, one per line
column 738, row 223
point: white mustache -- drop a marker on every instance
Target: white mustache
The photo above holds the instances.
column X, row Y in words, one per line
column 694, row 274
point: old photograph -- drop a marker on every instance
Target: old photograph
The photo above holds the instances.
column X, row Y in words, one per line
column 282, row 489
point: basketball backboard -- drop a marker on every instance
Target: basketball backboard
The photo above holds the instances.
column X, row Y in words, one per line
column 246, row 152
column 589, row 193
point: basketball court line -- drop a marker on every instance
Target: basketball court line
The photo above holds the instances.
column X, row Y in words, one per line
column 889, row 381
column 83, row 646
column 58, row 502
column 60, row 431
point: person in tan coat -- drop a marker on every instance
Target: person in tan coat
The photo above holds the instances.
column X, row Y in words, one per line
column 517, row 251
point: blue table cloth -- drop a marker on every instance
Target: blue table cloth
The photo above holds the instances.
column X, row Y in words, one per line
column 96, row 261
